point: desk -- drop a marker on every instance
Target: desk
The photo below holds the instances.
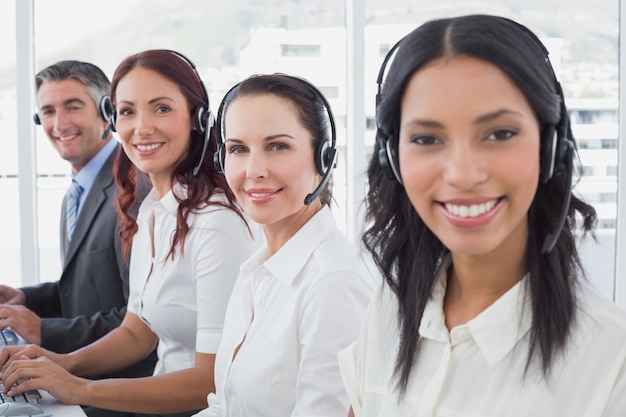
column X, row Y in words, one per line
column 52, row 406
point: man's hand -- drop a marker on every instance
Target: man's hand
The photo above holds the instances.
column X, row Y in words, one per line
column 23, row 321
column 10, row 295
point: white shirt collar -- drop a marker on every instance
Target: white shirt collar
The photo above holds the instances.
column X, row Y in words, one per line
column 286, row 264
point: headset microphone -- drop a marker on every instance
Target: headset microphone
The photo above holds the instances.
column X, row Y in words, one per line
column 332, row 152
column 106, row 132
column 207, row 136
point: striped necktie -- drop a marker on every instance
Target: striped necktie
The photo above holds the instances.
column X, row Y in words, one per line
column 73, row 198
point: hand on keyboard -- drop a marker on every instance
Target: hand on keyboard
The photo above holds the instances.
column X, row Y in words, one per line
column 23, row 321
column 42, row 373
column 27, row 404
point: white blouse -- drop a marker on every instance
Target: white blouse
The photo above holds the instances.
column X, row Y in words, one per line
column 184, row 299
column 477, row 369
column 291, row 314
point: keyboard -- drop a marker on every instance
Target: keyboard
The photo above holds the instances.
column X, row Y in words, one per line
column 8, row 338
column 26, row 404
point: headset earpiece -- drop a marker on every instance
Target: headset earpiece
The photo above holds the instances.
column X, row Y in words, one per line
column 107, row 112
column 36, row 119
column 549, row 140
column 218, row 158
column 321, row 158
column 200, row 119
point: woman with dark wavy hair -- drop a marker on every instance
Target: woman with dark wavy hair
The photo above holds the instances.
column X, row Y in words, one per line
column 485, row 309
column 188, row 241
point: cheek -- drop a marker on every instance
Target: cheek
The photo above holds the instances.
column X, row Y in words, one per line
column 417, row 173
column 124, row 132
column 234, row 172
column 525, row 164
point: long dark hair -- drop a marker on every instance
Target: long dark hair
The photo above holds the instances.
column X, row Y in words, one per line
column 201, row 186
column 405, row 249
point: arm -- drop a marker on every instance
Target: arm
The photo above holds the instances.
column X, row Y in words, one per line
column 128, row 344
column 151, row 395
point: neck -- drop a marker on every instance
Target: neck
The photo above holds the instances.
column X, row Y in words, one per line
column 279, row 233
column 476, row 282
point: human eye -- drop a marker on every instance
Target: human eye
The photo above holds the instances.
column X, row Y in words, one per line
column 502, row 134
column 424, row 140
column 125, row 111
column 74, row 108
column 278, row 146
column 235, row 149
column 162, row 109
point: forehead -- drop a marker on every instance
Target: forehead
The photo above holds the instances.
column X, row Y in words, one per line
column 470, row 85
column 145, row 84
column 262, row 110
column 55, row 93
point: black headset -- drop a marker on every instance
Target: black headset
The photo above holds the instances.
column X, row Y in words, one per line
column 557, row 147
column 325, row 153
column 203, row 119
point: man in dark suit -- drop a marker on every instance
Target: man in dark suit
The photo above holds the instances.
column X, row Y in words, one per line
column 89, row 299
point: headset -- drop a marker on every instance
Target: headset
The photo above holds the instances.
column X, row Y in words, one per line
column 203, row 119
column 325, row 153
column 557, row 148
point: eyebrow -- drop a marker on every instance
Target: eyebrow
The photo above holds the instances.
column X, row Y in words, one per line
column 151, row 101
column 479, row 120
column 265, row 139
column 65, row 103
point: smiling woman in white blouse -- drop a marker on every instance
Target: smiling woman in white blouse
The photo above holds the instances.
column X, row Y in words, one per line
column 300, row 298
column 485, row 310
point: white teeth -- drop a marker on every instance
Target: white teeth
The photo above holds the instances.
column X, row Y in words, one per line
column 259, row 194
column 66, row 138
column 471, row 211
column 145, row 148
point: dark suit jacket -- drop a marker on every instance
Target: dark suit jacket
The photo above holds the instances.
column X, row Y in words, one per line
column 89, row 300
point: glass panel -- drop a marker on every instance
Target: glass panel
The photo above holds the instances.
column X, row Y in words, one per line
column 585, row 57
column 9, row 193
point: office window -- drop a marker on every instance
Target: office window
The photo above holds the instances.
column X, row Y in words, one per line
column 329, row 92
column 301, row 50
column 10, row 239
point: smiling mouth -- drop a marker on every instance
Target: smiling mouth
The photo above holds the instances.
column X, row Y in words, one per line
column 67, row 138
column 473, row 210
column 151, row 147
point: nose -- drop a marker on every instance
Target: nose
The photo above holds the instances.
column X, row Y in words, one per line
column 143, row 124
column 60, row 123
column 256, row 166
column 466, row 166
